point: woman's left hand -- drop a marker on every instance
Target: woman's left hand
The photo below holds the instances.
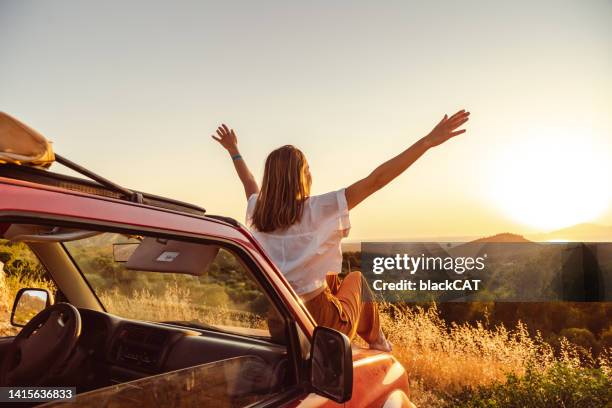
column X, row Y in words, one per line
column 227, row 138
column 446, row 129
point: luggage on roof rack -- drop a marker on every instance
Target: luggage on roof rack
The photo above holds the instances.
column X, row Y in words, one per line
column 20, row 144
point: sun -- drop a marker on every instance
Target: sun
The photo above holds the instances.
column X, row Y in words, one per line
column 548, row 181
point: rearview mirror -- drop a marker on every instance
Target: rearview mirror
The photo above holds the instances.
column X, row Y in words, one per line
column 28, row 303
column 331, row 364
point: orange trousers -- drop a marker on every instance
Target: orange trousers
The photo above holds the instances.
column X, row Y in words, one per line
column 347, row 305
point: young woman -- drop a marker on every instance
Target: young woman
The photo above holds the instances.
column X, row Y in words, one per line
column 302, row 233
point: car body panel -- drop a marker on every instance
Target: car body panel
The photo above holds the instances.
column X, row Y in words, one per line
column 375, row 375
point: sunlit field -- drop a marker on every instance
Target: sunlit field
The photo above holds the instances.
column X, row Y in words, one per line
column 175, row 304
column 448, row 362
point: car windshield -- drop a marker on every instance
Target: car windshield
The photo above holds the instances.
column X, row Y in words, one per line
column 190, row 284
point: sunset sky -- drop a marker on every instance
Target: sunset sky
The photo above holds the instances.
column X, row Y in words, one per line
column 133, row 90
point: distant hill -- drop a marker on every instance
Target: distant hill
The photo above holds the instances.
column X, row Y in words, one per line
column 488, row 245
column 581, row 232
column 503, row 237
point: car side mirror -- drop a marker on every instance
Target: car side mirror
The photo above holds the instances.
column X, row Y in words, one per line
column 28, row 303
column 331, row 364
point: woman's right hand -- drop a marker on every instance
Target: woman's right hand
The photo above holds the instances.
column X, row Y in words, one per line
column 383, row 174
column 226, row 138
column 446, row 129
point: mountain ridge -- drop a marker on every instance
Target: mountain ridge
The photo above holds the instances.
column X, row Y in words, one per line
column 583, row 232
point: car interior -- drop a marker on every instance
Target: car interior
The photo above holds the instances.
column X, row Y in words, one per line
column 93, row 309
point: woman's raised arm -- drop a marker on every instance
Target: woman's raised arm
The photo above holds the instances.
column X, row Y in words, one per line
column 389, row 170
column 227, row 138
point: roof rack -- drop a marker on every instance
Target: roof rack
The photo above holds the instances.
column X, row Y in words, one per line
column 98, row 186
column 131, row 195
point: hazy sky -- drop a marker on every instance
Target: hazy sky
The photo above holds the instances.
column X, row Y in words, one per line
column 134, row 89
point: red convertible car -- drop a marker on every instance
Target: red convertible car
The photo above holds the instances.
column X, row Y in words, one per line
column 138, row 300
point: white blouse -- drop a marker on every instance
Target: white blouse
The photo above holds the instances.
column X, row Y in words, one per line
column 310, row 249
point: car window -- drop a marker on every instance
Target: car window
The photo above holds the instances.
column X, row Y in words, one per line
column 19, row 268
column 201, row 285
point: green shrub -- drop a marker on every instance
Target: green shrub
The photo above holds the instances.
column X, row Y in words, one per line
column 581, row 337
column 562, row 385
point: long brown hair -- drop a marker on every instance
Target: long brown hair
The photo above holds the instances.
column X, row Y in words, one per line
column 285, row 187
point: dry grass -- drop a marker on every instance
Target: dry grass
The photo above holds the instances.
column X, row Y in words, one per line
column 441, row 358
column 175, row 304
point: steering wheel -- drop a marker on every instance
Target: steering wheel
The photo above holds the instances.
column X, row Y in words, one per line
column 42, row 347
